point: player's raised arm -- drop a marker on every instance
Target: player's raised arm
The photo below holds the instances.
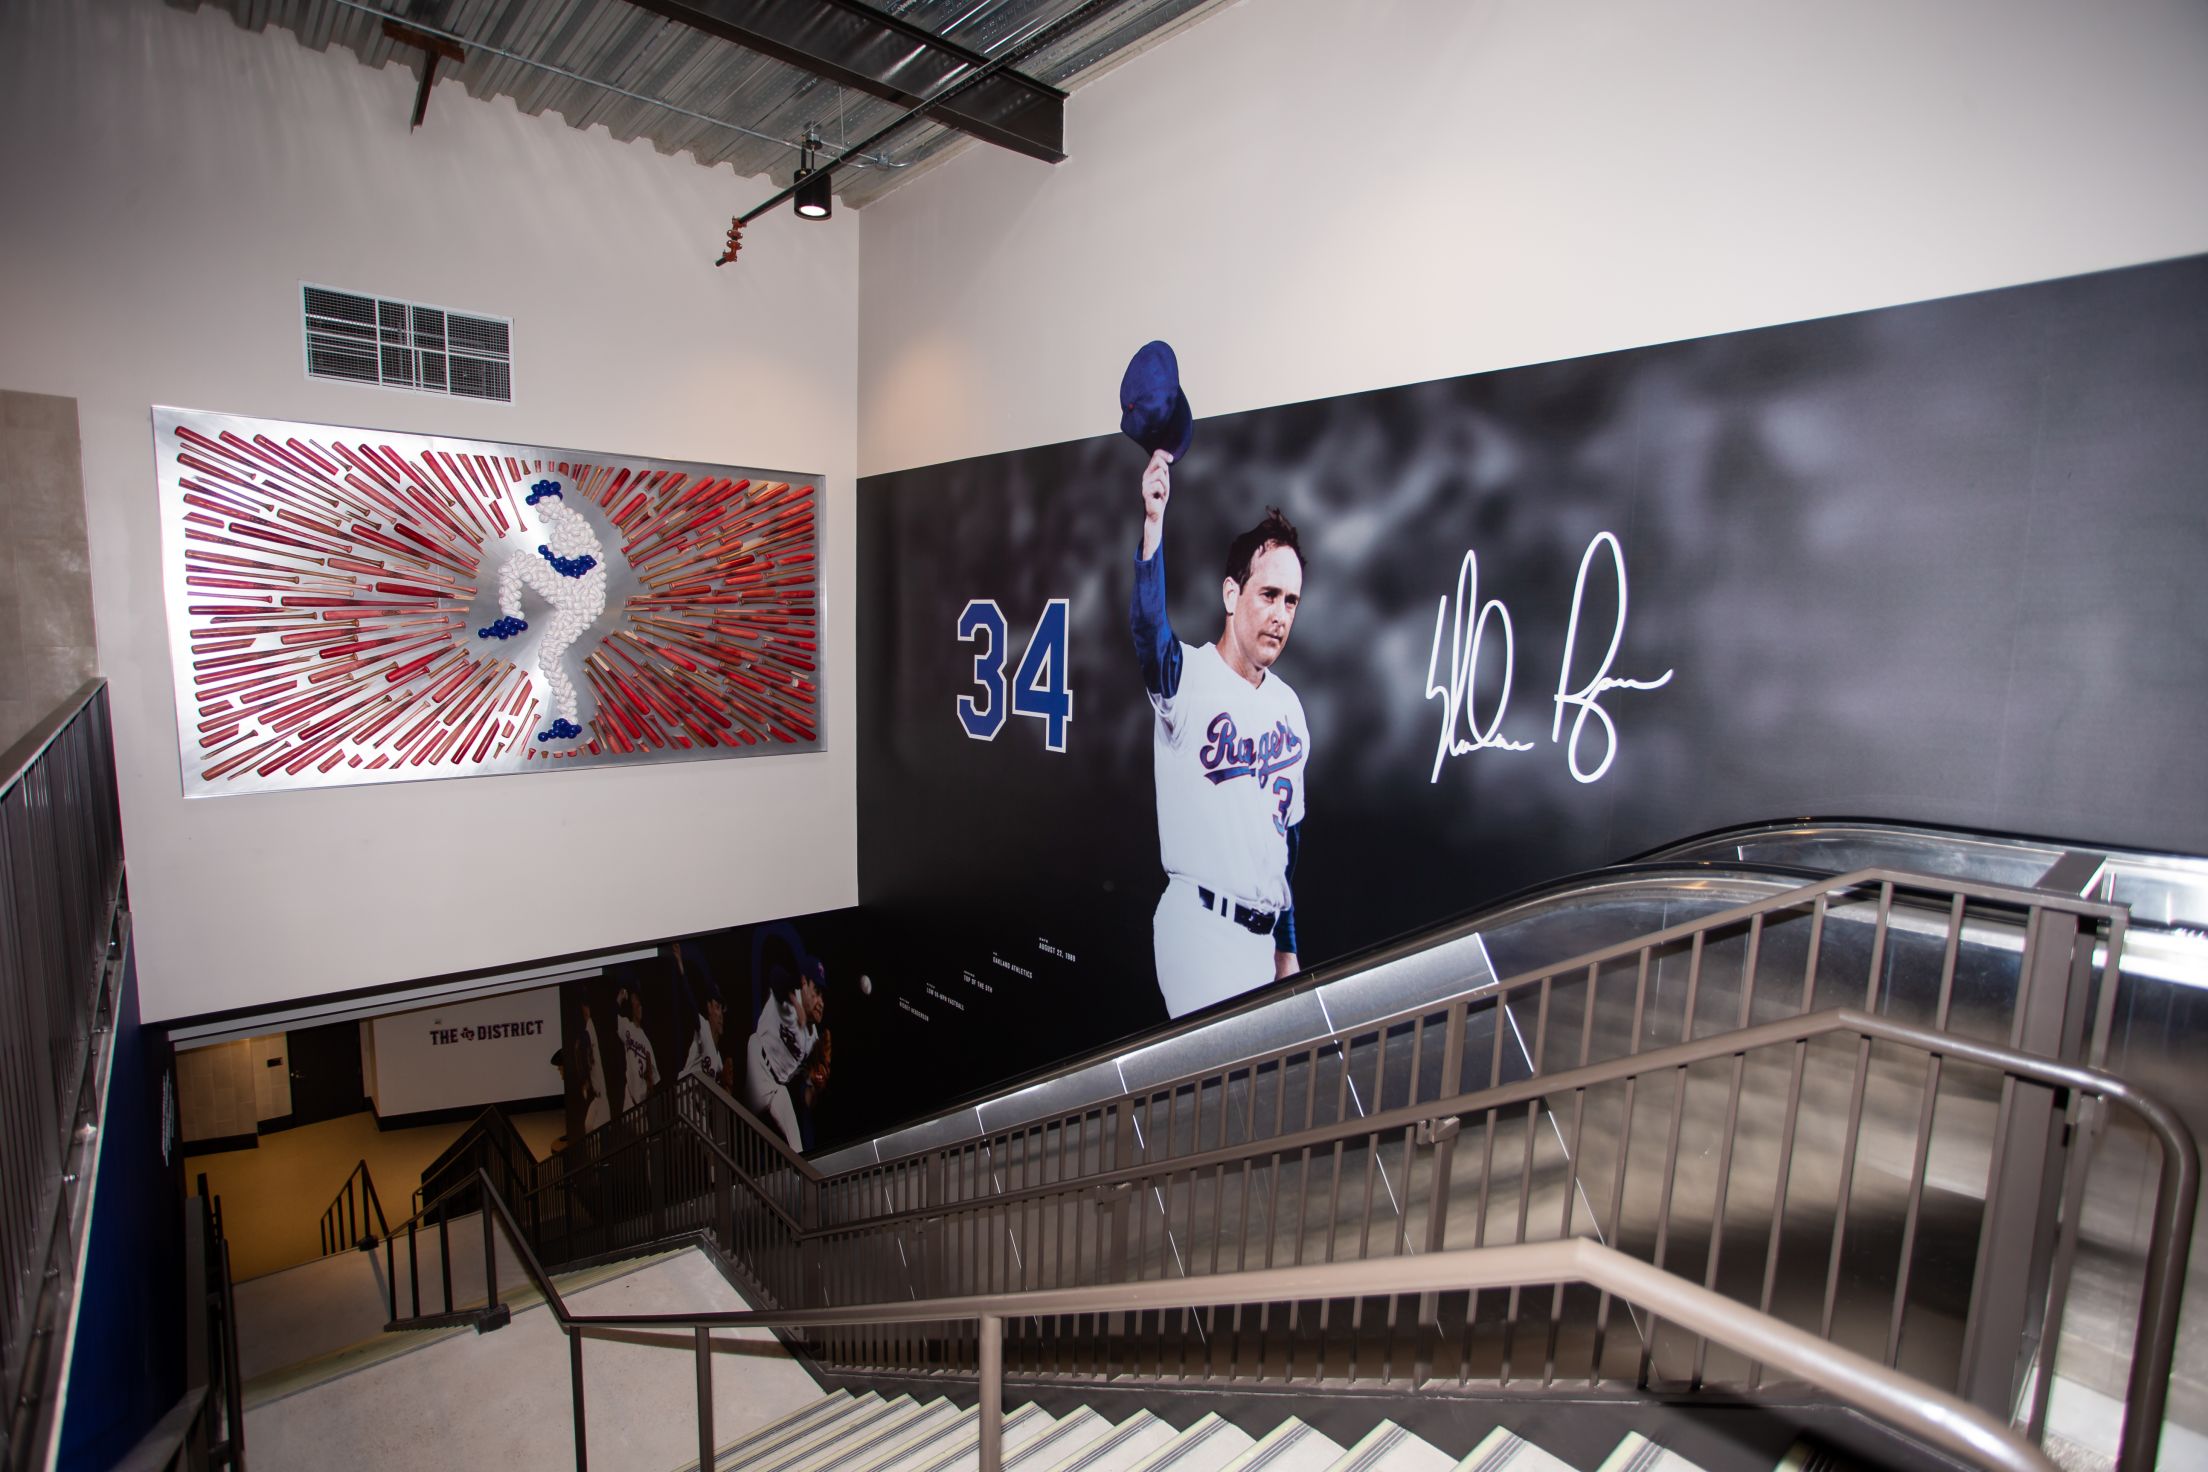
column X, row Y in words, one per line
column 1157, row 650
column 1157, row 489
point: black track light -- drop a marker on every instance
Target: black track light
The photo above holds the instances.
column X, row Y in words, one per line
column 815, row 185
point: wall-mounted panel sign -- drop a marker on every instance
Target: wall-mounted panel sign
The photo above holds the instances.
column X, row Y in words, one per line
column 353, row 606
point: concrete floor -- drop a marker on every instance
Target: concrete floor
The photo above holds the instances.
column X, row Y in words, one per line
column 273, row 1196
column 501, row 1399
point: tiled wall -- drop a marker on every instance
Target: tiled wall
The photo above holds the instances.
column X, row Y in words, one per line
column 46, row 643
column 229, row 1088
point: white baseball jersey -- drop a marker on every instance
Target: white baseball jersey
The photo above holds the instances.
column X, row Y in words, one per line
column 705, row 1056
column 1231, row 759
column 781, row 1040
column 643, row 1070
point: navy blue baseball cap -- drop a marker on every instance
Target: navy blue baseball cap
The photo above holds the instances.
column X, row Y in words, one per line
column 1153, row 412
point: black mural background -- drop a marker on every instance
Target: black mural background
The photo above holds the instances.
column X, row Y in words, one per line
column 1939, row 563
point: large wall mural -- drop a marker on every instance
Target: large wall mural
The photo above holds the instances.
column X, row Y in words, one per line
column 1131, row 745
column 354, row 606
column 762, row 1010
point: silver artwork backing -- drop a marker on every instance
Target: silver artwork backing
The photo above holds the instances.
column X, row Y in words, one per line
column 623, row 584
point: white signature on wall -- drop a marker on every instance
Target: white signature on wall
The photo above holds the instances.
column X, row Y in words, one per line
column 1463, row 731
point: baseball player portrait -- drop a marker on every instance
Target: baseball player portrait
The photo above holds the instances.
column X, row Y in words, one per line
column 1230, row 742
column 642, row 1072
column 787, row 1058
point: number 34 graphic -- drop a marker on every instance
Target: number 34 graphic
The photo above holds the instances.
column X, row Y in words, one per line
column 1038, row 686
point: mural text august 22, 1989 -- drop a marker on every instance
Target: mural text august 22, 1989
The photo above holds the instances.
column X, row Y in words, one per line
column 1461, row 730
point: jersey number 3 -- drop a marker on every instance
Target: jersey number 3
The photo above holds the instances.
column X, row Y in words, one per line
column 1038, row 687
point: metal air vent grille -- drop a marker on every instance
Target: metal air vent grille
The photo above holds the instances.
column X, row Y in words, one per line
column 354, row 338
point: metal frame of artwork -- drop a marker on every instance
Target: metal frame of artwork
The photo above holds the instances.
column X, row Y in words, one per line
column 350, row 606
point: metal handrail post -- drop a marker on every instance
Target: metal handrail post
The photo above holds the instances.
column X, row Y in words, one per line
column 490, row 1261
column 2004, row 1325
column 989, row 1413
column 2161, row 1295
column 575, row 1398
column 705, row 1397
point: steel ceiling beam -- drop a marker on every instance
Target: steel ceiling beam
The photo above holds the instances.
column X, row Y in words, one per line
column 859, row 47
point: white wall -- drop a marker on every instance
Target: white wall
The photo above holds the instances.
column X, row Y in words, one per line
column 465, row 1053
column 1308, row 198
column 169, row 180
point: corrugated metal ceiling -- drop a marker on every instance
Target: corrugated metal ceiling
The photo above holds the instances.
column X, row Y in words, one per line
column 608, row 63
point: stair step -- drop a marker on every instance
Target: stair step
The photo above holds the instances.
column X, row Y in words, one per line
column 1126, row 1444
column 1390, row 1448
column 959, row 1450
column 1292, row 1446
column 926, row 1427
column 907, row 1456
column 1075, row 1432
column 1638, row 1454
column 1503, row 1450
column 1207, row 1446
column 879, row 1427
column 789, row 1432
column 775, row 1430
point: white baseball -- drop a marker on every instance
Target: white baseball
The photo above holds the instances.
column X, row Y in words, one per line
column 866, row 986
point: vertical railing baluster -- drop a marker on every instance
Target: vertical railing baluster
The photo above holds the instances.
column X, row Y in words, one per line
column 1625, row 1145
column 1846, row 1188
column 1923, row 1154
column 1780, row 1182
column 1571, row 1169
column 1671, row 1144
column 1749, row 962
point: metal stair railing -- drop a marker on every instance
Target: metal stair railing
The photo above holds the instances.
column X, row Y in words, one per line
column 205, row 1429
column 63, row 931
column 346, row 1220
column 2051, row 1009
column 2008, row 965
column 1931, row 1416
column 1095, row 1230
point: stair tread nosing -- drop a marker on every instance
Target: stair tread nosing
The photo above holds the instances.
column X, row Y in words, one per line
column 1293, row 1446
column 1390, row 1448
column 828, row 1449
column 1638, row 1454
column 1206, row 1446
column 885, row 1442
column 958, row 1449
column 1119, row 1449
column 781, row 1426
column 791, row 1430
column 1504, row 1450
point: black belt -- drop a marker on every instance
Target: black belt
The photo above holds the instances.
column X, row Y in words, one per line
column 1257, row 922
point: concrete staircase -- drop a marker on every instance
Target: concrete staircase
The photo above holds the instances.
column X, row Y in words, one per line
column 458, row 1398
column 843, row 1432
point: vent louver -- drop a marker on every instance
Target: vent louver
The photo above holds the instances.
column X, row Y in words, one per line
column 354, row 338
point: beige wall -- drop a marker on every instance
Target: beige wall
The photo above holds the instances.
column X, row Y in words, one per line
column 171, row 181
column 46, row 645
column 1309, row 199
column 227, row 1089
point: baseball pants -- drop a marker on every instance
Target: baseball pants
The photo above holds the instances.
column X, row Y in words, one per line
column 1203, row 957
column 769, row 1098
